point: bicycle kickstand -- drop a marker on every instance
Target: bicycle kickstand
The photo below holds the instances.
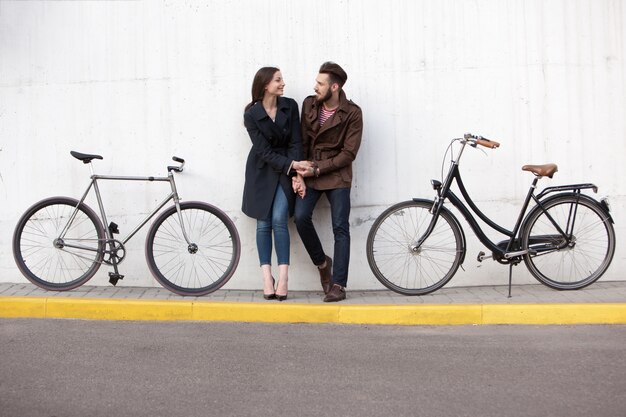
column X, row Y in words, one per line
column 510, row 277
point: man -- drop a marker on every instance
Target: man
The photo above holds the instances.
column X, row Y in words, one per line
column 331, row 135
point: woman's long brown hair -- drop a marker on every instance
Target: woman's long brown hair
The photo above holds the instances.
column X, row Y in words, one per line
column 261, row 79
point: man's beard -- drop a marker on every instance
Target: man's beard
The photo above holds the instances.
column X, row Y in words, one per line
column 326, row 97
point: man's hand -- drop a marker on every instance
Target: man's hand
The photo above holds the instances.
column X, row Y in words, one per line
column 305, row 168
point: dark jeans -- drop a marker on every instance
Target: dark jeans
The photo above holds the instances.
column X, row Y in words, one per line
column 339, row 200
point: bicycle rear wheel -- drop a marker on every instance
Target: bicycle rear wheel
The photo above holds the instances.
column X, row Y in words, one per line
column 404, row 270
column 52, row 261
column 199, row 267
column 588, row 255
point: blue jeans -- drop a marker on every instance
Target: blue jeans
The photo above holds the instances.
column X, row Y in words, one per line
column 278, row 223
column 339, row 200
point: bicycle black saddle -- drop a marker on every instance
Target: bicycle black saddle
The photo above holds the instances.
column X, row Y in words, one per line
column 85, row 157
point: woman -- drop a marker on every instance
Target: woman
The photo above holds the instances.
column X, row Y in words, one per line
column 269, row 193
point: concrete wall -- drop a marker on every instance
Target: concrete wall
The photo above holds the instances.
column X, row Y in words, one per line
column 140, row 81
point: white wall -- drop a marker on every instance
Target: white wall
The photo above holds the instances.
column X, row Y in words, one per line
column 139, row 82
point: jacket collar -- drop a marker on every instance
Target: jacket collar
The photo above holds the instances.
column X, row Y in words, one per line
column 342, row 109
column 258, row 112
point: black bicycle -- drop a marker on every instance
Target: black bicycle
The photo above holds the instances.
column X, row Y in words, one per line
column 192, row 248
column 566, row 239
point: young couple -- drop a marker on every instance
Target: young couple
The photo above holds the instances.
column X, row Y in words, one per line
column 290, row 159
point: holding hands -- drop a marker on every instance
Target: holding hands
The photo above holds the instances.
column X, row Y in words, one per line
column 304, row 169
column 298, row 185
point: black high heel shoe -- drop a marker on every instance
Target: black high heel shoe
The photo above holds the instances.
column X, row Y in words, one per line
column 271, row 296
column 281, row 297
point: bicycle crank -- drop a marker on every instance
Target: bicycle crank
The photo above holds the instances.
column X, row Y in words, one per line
column 115, row 254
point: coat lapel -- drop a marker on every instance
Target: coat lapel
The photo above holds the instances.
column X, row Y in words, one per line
column 313, row 117
column 276, row 129
column 334, row 120
column 282, row 114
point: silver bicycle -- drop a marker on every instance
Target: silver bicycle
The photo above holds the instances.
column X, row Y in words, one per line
column 192, row 248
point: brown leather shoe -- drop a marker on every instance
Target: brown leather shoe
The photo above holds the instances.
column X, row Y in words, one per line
column 336, row 293
column 326, row 275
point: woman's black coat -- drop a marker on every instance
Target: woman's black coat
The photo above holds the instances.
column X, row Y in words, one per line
column 275, row 145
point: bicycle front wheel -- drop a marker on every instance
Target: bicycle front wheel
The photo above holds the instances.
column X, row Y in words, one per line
column 58, row 244
column 571, row 265
column 408, row 270
column 202, row 265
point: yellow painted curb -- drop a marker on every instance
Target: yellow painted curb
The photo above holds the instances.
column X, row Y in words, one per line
column 449, row 314
column 267, row 313
column 22, row 307
column 423, row 314
column 118, row 309
column 596, row 313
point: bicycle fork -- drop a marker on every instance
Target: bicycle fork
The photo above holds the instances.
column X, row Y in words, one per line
column 192, row 247
column 415, row 247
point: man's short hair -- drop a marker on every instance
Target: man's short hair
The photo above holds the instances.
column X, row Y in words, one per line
column 335, row 73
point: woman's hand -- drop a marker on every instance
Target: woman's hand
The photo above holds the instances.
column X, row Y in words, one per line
column 298, row 185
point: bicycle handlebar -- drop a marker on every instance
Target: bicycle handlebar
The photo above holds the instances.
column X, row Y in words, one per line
column 487, row 143
column 479, row 140
column 178, row 168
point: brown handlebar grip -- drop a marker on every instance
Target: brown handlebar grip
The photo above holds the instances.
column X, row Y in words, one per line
column 488, row 143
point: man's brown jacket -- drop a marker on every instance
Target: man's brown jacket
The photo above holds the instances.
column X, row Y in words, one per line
column 333, row 146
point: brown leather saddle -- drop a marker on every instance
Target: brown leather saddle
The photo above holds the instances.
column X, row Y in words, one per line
column 545, row 170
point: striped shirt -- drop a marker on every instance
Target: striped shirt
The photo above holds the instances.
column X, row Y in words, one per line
column 325, row 114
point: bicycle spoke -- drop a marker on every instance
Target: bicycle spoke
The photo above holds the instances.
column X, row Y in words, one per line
column 58, row 262
column 589, row 251
column 398, row 264
column 200, row 265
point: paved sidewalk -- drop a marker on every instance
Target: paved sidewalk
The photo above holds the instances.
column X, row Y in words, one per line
column 602, row 302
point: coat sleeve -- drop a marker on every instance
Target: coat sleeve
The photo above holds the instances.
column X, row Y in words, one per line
column 262, row 148
column 303, row 137
column 295, row 144
column 351, row 145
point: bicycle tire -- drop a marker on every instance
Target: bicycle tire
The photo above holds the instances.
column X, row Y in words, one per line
column 581, row 263
column 409, row 272
column 172, row 261
column 48, row 263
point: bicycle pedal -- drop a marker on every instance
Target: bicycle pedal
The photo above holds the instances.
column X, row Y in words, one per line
column 113, row 278
column 482, row 256
column 113, row 229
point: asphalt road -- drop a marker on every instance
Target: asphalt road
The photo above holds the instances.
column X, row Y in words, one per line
column 93, row 368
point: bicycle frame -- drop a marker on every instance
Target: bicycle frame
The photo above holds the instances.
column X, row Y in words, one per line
column 512, row 250
column 506, row 252
column 109, row 233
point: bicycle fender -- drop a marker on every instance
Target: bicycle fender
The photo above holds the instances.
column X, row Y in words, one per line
column 603, row 206
column 453, row 217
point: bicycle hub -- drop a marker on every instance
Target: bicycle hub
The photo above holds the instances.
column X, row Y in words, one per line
column 192, row 248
